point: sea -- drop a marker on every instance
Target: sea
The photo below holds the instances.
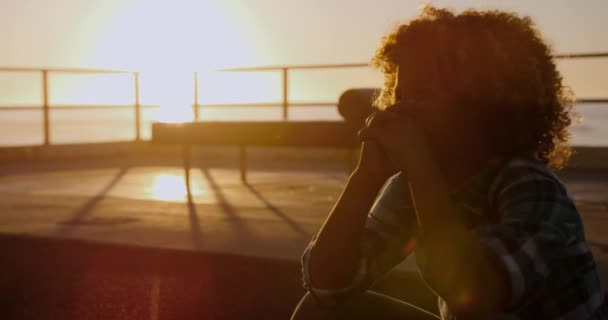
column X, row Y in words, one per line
column 68, row 126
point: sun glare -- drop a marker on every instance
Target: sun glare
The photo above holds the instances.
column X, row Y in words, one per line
column 168, row 40
column 169, row 187
column 173, row 91
column 180, row 35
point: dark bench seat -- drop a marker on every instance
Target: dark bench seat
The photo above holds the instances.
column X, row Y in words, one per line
column 335, row 134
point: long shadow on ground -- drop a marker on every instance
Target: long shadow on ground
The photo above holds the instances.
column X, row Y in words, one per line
column 80, row 216
column 69, row 279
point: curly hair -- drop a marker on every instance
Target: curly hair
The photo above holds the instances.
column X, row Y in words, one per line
column 496, row 62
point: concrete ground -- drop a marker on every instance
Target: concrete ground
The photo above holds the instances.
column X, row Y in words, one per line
column 149, row 253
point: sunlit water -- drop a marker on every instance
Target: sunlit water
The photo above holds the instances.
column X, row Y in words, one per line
column 81, row 126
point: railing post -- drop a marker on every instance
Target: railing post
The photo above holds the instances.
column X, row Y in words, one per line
column 285, row 93
column 46, row 107
column 137, row 108
column 196, row 111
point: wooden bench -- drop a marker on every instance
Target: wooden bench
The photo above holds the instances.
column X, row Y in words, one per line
column 338, row 134
column 354, row 105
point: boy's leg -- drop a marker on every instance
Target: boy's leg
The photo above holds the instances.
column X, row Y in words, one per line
column 367, row 305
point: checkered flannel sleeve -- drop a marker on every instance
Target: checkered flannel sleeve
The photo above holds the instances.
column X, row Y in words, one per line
column 387, row 241
column 539, row 229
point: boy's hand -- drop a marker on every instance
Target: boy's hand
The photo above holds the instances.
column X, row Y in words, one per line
column 374, row 161
column 397, row 135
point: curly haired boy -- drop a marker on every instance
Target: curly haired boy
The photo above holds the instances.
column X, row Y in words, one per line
column 472, row 116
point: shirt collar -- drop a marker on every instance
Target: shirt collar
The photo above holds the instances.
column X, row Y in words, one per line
column 474, row 188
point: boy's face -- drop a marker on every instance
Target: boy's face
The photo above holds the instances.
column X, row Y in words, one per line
column 419, row 84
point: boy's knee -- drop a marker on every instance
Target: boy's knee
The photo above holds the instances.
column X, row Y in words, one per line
column 308, row 309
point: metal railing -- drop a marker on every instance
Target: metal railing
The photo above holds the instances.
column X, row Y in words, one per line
column 46, row 104
column 285, row 102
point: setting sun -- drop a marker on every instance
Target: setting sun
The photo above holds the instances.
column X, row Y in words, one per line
column 182, row 35
column 173, row 92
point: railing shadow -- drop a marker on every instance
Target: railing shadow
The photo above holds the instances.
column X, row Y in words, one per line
column 80, row 215
column 293, row 224
column 195, row 226
column 225, row 205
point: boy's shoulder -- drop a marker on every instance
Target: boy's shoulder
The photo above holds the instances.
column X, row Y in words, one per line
column 525, row 173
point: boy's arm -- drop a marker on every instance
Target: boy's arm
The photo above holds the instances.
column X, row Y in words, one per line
column 454, row 262
column 540, row 231
column 390, row 229
column 387, row 239
column 336, row 254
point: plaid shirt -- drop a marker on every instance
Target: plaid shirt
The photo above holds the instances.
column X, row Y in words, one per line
column 522, row 214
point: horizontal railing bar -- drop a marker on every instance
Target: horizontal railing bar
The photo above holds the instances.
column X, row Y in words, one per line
column 96, row 107
column 270, row 104
column 74, row 107
column 359, row 65
column 582, row 55
column 593, row 100
column 24, row 108
column 295, row 67
column 64, row 70
column 265, row 68
column 218, row 105
column 228, row 105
